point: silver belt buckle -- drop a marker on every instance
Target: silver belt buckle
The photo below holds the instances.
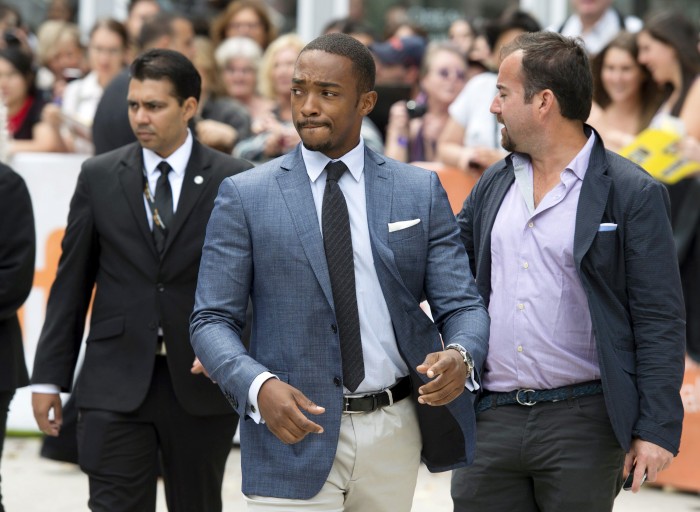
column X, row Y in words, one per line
column 524, row 401
column 346, row 401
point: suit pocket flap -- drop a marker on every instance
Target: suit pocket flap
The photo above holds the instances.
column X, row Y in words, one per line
column 106, row 328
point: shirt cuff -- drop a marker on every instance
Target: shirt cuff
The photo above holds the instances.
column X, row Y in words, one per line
column 251, row 408
column 49, row 389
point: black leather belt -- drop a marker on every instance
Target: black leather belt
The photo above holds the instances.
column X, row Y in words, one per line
column 369, row 403
column 530, row 397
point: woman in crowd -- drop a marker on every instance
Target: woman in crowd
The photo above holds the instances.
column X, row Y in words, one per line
column 411, row 138
column 277, row 135
column 625, row 95
column 221, row 121
column 237, row 59
column 24, row 105
column 60, row 56
column 244, row 18
column 106, row 56
column 668, row 47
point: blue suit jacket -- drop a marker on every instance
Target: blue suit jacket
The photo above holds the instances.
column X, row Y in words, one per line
column 631, row 280
column 264, row 240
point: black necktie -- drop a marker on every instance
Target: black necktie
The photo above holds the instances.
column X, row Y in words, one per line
column 163, row 212
column 338, row 245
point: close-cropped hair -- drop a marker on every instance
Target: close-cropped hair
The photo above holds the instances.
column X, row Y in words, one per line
column 560, row 64
column 347, row 46
column 161, row 64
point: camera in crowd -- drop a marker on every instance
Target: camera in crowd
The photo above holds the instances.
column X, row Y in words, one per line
column 415, row 109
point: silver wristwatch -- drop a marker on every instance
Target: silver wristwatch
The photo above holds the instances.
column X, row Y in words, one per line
column 468, row 361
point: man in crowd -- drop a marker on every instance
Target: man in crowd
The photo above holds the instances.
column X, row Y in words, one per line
column 135, row 231
column 337, row 246
column 597, row 22
column 572, row 250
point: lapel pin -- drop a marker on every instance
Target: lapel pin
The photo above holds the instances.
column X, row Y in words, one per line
column 198, row 180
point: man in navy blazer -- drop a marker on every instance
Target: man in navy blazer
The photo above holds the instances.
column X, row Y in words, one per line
column 312, row 439
column 572, row 250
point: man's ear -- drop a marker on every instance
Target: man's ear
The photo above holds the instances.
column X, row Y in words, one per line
column 367, row 102
column 546, row 100
column 189, row 107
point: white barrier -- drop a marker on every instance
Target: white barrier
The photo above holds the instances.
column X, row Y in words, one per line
column 51, row 179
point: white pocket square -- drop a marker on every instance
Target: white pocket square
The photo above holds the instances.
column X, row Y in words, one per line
column 402, row 224
column 607, row 226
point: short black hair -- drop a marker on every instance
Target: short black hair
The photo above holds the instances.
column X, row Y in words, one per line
column 350, row 48
column 560, row 64
column 162, row 64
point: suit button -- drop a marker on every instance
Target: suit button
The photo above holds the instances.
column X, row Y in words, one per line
column 152, row 326
column 334, row 328
column 160, row 287
column 336, row 381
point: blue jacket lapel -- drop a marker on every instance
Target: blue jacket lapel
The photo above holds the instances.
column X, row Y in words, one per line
column 296, row 191
column 379, row 192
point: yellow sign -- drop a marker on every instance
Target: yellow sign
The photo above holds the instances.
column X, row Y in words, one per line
column 658, row 153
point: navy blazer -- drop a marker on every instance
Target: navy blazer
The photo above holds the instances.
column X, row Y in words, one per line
column 631, row 279
column 264, row 240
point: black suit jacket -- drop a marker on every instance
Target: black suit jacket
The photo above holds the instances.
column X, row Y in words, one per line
column 110, row 126
column 17, row 251
column 108, row 245
column 631, row 279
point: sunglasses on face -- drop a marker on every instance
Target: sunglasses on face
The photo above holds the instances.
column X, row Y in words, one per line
column 446, row 73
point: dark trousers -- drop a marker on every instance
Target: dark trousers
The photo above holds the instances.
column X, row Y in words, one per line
column 551, row 457
column 119, row 453
column 5, row 399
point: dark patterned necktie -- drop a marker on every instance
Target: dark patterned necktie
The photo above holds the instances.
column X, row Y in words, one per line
column 338, row 245
column 163, row 212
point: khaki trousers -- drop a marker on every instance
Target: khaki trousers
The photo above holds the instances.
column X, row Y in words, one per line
column 375, row 467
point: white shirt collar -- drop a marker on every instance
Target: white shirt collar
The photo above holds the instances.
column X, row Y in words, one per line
column 316, row 162
column 178, row 160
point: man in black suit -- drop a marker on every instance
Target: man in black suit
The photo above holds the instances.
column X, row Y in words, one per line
column 135, row 232
column 16, row 274
column 573, row 253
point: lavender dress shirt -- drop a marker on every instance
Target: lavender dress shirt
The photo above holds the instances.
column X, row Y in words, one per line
column 541, row 335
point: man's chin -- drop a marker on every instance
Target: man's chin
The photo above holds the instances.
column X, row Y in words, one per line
column 321, row 146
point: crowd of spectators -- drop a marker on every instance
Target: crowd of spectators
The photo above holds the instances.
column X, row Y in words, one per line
column 64, row 92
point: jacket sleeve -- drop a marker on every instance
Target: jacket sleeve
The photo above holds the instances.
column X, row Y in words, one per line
column 18, row 247
column 69, row 299
column 658, row 317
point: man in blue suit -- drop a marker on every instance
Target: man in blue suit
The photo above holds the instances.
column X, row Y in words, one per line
column 347, row 384
column 572, row 250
